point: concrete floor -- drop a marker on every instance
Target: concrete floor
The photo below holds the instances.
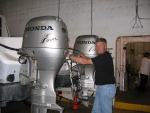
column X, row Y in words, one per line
column 130, row 101
column 133, row 99
column 20, row 107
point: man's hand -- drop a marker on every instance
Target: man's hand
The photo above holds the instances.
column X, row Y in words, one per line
column 68, row 55
column 81, row 55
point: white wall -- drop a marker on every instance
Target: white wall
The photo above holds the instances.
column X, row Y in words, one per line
column 111, row 18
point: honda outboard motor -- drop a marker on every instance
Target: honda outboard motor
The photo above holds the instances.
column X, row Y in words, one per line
column 86, row 45
column 45, row 40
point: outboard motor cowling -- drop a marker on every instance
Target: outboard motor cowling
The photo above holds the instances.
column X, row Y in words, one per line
column 86, row 45
column 46, row 40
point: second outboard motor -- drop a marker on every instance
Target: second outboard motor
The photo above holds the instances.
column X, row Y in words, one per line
column 45, row 40
column 86, row 45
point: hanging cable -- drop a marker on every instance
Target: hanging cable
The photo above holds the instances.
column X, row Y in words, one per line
column 58, row 7
column 91, row 17
column 14, row 49
column 137, row 19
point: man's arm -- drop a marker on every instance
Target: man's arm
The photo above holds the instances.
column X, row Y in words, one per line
column 81, row 59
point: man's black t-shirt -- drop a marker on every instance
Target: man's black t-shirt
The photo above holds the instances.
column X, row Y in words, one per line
column 104, row 69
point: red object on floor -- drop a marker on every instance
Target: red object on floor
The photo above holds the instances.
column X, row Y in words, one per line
column 75, row 102
column 60, row 93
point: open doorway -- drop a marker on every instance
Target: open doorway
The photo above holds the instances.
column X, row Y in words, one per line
column 134, row 55
column 129, row 53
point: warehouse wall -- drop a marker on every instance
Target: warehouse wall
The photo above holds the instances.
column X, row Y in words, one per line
column 111, row 18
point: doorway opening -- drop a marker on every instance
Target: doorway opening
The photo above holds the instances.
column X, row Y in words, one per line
column 134, row 55
column 129, row 53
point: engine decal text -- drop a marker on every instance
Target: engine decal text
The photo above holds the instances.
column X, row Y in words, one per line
column 36, row 28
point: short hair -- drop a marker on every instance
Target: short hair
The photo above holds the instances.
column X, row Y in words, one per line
column 146, row 54
column 101, row 40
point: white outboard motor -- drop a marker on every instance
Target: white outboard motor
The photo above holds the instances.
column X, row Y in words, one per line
column 86, row 45
column 46, row 41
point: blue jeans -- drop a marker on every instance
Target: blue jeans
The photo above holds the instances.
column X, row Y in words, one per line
column 104, row 98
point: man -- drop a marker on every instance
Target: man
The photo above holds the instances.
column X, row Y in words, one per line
column 104, row 76
column 144, row 71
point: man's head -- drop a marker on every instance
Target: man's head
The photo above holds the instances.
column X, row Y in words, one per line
column 101, row 45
